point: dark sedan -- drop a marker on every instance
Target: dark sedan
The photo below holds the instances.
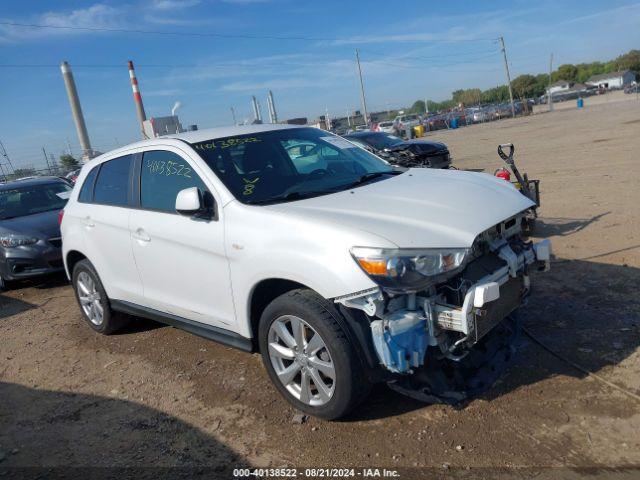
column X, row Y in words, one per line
column 404, row 153
column 30, row 243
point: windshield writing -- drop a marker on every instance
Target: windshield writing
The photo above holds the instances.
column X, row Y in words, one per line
column 290, row 164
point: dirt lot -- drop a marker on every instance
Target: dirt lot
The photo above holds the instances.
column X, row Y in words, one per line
column 156, row 396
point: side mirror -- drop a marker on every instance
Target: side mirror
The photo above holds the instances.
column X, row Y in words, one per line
column 189, row 202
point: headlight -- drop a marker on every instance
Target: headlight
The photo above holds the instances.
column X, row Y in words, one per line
column 408, row 269
column 11, row 241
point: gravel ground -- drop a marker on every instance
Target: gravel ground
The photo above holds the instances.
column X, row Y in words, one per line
column 156, row 396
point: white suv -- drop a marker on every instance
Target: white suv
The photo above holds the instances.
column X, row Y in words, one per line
column 339, row 269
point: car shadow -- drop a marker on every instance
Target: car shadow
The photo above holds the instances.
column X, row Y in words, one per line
column 561, row 227
column 44, row 282
column 588, row 312
column 138, row 325
column 10, row 306
column 48, row 434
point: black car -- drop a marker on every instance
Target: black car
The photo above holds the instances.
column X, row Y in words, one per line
column 404, row 153
column 30, row 243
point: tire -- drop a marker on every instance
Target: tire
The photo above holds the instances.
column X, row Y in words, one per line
column 4, row 285
column 329, row 366
column 93, row 300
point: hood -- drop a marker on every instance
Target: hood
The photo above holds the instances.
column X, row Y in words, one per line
column 43, row 225
column 422, row 208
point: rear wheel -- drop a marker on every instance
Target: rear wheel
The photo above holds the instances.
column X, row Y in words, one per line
column 93, row 300
column 309, row 357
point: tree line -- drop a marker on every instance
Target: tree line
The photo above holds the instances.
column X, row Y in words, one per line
column 67, row 163
column 530, row 86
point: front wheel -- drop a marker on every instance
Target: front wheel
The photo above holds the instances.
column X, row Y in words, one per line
column 309, row 357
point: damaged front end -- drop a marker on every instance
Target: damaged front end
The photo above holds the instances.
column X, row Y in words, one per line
column 443, row 319
column 415, row 155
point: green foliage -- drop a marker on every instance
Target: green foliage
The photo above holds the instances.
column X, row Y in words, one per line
column 417, row 107
column 499, row 94
column 565, row 72
column 628, row 61
column 22, row 172
column 437, row 106
column 529, row 86
column 68, row 162
column 524, row 86
column 471, row 96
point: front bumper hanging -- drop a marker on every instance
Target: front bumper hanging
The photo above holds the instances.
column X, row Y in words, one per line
column 471, row 340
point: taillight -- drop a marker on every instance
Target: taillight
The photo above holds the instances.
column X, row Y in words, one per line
column 60, row 216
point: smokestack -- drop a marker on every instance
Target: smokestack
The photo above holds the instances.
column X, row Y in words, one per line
column 76, row 110
column 273, row 116
column 137, row 98
column 257, row 116
column 175, row 108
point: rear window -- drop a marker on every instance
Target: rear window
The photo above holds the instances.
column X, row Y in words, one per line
column 86, row 192
column 112, row 185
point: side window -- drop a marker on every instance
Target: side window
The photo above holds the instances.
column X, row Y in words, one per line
column 112, row 185
column 163, row 175
column 86, row 192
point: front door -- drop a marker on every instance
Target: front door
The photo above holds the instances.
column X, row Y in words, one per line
column 181, row 259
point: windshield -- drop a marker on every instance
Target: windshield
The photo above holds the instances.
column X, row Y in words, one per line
column 283, row 165
column 382, row 140
column 23, row 201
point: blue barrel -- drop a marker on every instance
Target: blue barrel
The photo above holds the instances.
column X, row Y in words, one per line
column 580, row 103
column 454, row 123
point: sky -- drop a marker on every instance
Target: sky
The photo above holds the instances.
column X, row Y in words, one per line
column 211, row 55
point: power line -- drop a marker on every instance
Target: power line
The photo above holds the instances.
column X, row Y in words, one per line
column 462, row 62
column 430, row 57
column 236, row 65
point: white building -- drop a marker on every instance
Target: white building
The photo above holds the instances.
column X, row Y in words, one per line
column 559, row 86
column 612, row 80
column 158, row 126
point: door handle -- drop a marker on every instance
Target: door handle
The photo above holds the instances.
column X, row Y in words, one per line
column 88, row 222
column 141, row 235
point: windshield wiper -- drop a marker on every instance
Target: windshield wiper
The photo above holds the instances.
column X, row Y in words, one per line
column 372, row 176
column 284, row 198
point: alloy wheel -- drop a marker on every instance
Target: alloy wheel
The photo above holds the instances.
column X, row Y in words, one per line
column 301, row 360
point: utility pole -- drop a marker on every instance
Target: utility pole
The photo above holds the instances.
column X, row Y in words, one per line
column 506, row 67
column 364, row 100
column 233, row 114
column 46, row 159
column 549, row 96
column 6, row 156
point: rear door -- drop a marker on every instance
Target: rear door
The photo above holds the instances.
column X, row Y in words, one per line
column 103, row 208
column 181, row 259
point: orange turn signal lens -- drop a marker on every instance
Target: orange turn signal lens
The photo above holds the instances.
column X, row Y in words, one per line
column 373, row 267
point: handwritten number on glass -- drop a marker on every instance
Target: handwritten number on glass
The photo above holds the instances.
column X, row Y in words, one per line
column 249, row 185
column 169, row 168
